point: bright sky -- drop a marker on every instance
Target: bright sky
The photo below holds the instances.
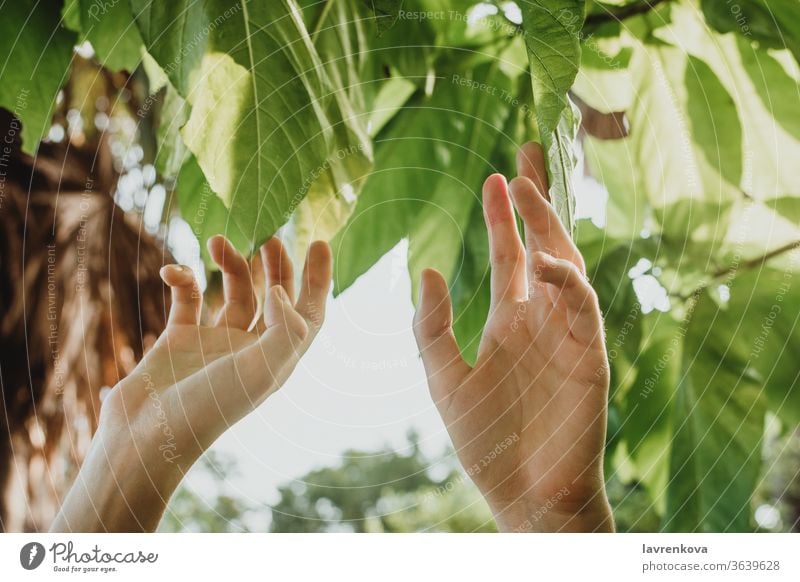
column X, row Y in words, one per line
column 360, row 386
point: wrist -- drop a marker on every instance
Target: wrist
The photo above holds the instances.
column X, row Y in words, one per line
column 124, row 484
column 143, row 460
column 557, row 513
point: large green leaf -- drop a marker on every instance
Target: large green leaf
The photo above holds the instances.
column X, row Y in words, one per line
column 669, row 165
column 171, row 152
column 203, row 210
column 649, row 402
column 552, row 33
column 470, row 290
column 110, row 28
column 773, row 23
column 36, row 52
column 430, row 162
column 267, row 121
column 762, row 319
column 717, row 430
column 340, row 33
column 768, row 148
column 714, row 120
column 776, row 88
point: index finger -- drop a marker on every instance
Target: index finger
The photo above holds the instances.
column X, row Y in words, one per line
column 544, row 231
column 531, row 165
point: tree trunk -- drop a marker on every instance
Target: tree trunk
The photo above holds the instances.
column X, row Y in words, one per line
column 80, row 300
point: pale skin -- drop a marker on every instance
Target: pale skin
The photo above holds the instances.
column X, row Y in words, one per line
column 528, row 419
column 540, row 382
column 194, row 384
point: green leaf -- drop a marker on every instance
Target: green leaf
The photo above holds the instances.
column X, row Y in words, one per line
column 669, row 165
column 110, row 28
column 714, row 120
column 470, row 291
column 435, row 239
column 386, row 12
column 618, row 300
column 171, row 152
column 649, row 403
column 762, row 319
column 71, row 14
column 786, row 206
column 552, row 31
column 266, row 118
column 773, row 23
column 776, row 88
column 470, row 288
column 603, row 81
column 430, row 162
column 202, row 209
column 611, row 162
column 391, row 98
column 36, row 53
column 339, row 33
column 768, row 148
column 717, row 430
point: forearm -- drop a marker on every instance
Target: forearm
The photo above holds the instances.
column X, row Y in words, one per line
column 120, row 488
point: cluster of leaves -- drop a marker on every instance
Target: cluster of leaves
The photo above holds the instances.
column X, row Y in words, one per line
column 383, row 491
column 188, row 511
column 372, row 122
column 702, row 199
column 387, row 491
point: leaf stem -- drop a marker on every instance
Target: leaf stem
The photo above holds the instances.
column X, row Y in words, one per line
column 745, row 266
column 321, row 20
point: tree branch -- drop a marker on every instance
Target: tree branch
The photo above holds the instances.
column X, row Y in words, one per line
column 745, row 266
column 756, row 262
column 621, row 13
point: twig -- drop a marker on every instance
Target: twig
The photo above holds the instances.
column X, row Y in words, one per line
column 745, row 266
column 756, row 262
column 621, row 13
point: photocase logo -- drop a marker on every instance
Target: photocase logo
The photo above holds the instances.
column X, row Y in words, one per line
column 31, row 555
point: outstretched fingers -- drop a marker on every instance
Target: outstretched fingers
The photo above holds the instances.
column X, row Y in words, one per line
column 531, row 165
column 278, row 266
column 237, row 281
column 263, row 366
column 433, row 329
column 186, row 296
column 575, row 293
column 543, row 229
column 507, row 255
column 315, row 284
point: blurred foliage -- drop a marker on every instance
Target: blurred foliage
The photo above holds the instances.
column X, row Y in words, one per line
column 382, row 491
column 387, row 491
column 189, row 511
